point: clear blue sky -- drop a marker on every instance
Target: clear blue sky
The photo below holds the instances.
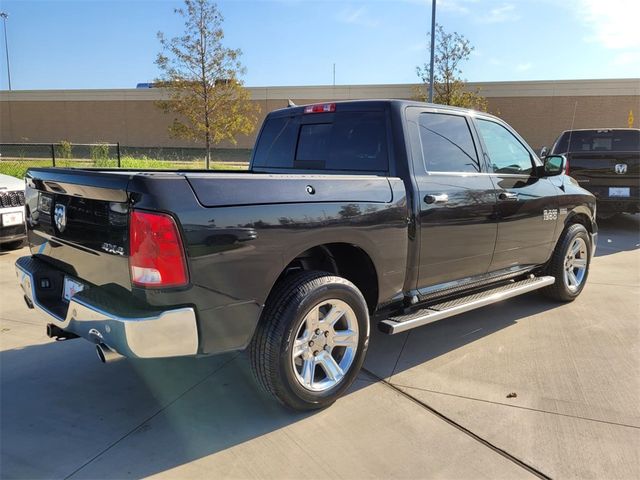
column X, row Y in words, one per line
column 58, row 44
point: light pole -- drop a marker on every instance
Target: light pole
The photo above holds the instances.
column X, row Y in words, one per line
column 433, row 47
column 6, row 45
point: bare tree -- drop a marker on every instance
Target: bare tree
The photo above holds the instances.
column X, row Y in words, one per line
column 452, row 49
column 202, row 78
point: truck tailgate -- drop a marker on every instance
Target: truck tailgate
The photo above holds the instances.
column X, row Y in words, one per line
column 78, row 221
column 609, row 174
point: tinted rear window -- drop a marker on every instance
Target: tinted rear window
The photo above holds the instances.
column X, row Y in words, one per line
column 348, row 141
column 277, row 143
column 599, row 141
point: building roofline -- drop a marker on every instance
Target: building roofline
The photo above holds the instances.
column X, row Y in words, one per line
column 534, row 88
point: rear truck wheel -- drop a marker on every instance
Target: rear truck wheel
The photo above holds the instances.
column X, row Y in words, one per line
column 569, row 264
column 311, row 340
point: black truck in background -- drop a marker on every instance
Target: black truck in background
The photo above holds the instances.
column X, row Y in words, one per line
column 353, row 215
column 605, row 162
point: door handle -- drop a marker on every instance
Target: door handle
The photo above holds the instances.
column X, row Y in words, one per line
column 508, row 196
column 442, row 198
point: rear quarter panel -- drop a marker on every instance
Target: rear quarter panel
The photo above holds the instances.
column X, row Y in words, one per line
column 236, row 253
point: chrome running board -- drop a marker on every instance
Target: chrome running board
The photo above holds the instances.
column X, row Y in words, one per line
column 433, row 313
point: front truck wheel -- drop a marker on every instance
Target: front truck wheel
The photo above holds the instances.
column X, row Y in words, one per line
column 311, row 340
column 569, row 264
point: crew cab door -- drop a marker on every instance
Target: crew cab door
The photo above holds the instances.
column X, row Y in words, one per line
column 527, row 207
column 456, row 225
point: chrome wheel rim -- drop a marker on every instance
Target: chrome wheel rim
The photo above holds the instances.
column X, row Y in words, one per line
column 325, row 345
column 575, row 264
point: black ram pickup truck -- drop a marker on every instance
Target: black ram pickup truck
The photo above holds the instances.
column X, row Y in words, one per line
column 605, row 162
column 359, row 214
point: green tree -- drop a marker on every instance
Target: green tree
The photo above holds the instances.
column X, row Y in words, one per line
column 452, row 49
column 100, row 154
column 64, row 149
column 202, row 79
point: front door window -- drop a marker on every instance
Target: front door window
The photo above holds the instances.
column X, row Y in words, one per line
column 506, row 153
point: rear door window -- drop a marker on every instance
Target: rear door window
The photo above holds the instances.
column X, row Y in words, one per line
column 447, row 144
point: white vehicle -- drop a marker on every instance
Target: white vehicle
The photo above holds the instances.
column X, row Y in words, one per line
column 12, row 214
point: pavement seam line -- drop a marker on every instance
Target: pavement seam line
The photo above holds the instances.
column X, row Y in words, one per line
column 531, row 469
column 578, row 417
column 36, row 324
column 404, row 344
column 148, row 419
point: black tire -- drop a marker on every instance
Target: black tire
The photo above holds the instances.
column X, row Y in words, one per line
column 283, row 315
column 560, row 290
column 15, row 245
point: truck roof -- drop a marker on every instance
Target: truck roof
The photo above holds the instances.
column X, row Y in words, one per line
column 398, row 103
column 601, row 130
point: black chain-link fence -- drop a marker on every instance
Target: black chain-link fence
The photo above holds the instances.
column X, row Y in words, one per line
column 17, row 158
column 188, row 154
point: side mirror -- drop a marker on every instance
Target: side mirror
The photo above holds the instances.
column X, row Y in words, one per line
column 554, row 165
column 544, row 151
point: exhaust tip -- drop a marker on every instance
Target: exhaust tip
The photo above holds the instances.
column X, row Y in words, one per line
column 105, row 354
column 100, row 353
column 28, row 302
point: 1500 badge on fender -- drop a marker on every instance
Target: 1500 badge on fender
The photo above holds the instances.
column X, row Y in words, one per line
column 551, row 214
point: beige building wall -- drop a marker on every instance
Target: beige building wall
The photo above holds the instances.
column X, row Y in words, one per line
column 538, row 110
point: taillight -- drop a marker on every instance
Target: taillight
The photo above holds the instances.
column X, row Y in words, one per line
column 156, row 255
column 320, row 108
column 566, row 167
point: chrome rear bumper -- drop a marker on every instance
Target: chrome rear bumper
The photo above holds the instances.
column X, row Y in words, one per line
column 93, row 315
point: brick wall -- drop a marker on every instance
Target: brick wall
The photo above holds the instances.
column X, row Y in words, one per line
column 539, row 111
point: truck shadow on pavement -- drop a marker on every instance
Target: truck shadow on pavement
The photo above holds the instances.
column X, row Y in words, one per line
column 63, row 414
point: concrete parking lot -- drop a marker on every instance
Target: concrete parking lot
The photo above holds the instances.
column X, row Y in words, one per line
column 431, row 403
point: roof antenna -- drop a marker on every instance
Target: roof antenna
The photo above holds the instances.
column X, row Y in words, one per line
column 290, row 104
column 573, row 121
